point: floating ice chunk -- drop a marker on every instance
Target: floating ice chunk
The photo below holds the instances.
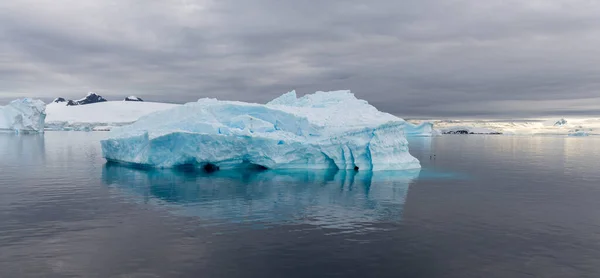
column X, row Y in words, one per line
column 23, row 115
column 579, row 133
column 424, row 129
column 318, row 131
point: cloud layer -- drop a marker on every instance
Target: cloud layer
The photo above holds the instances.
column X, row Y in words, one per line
column 413, row 58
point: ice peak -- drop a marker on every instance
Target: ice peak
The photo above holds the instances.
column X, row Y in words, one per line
column 285, row 99
column 318, row 99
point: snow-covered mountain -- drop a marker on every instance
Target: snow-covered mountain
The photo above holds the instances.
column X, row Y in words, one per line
column 59, row 99
column 469, row 130
column 133, row 98
column 98, row 116
column 560, row 122
column 88, row 99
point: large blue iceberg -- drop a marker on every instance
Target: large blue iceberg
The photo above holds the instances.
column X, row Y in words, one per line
column 319, row 131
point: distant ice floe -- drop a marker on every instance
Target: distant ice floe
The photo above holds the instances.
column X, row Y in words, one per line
column 424, row 129
column 578, row 133
column 591, row 126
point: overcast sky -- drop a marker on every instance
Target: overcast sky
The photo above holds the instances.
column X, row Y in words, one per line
column 413, row 58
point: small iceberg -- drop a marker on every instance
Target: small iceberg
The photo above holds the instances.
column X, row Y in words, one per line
column 23, row 115
column 324, row 130
column 579, row 134
column 424, row 129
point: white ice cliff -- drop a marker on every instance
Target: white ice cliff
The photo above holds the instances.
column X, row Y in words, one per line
column 318, row 131
column 23, row 115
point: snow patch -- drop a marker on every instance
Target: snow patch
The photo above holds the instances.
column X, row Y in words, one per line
column 99, row 116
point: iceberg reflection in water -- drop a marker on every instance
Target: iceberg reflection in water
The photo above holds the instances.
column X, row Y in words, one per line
column 327, row 199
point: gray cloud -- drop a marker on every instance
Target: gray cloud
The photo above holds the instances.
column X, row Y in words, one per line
column 425, row 58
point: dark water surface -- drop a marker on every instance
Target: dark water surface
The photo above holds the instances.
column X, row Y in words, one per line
column 484, row 206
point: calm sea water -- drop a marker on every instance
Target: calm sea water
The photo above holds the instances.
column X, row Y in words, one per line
column 482, row 206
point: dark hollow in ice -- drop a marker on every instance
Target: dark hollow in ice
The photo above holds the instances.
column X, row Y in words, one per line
column 209, row 167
